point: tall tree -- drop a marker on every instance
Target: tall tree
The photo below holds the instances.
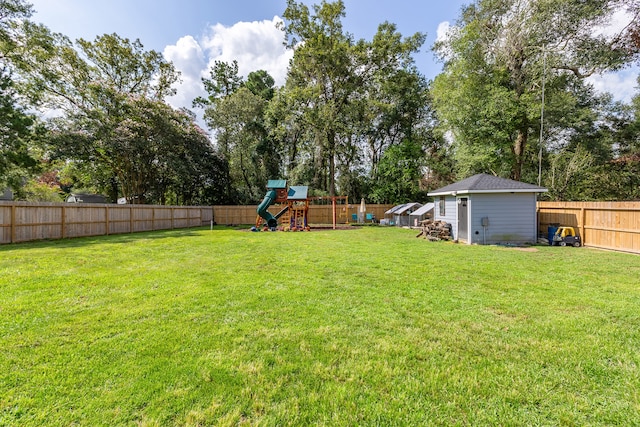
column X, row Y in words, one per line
column 111, row 92
column 223, row 80
column 240, row 115
column 18, row 131
column 619, row 178
column 93, row 78
column 324, row 76
column 495, row 60
column 396, row 95
column 235, row 109
column 290, row 135
column 157, row 154
column 347, row 93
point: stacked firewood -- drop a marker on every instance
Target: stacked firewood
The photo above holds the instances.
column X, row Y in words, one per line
column 435, row 230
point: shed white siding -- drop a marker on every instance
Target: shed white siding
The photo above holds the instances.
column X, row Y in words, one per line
column 512, row 218
column 450, row 214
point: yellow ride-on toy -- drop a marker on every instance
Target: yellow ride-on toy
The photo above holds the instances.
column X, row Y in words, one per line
column 566, row 236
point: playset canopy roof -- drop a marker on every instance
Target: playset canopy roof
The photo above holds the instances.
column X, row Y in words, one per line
column 275, row 184
column 298, row 192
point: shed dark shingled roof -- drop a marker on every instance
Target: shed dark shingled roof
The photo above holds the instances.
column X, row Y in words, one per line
column 484, row 183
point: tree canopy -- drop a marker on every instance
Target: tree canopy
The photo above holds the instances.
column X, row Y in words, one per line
column 349, row 96
column 354, row 117
column 495, row 62
column 19, row 133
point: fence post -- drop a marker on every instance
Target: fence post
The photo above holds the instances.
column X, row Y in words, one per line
column 333, row 211
column 13, row 223
column 63, row 221
column 583, row 219
column 106, row 214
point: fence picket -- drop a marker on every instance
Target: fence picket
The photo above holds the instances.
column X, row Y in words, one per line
column 24, row 221
column 607, row 225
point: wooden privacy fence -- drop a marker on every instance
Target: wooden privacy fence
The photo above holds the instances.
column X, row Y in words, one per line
column 23, row 221
column 318, row 214
column 606, row 225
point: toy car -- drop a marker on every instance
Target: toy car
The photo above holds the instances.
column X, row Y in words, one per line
column 566, row 236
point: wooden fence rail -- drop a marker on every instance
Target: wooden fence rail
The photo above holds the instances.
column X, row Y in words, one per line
column 318, row 213
column 605, row 225
column 23, row 221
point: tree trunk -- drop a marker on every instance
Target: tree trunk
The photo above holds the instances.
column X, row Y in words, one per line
column 331, row 141
column 245, row 178
column 113, row 188
column 518, row 153
column 319, row 180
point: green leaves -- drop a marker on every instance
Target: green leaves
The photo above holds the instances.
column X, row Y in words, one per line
column 17, row 134
column 352, row 99
column 399, row 174
column 497, row 61
column 235, row 111
column 223, row 82
column 128, row 68
column 116, row 123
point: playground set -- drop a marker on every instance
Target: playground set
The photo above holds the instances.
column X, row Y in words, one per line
column 294, row 204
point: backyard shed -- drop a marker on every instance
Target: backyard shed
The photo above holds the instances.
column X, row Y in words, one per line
column 486, row 209
column 399, row 214
column 425, row 212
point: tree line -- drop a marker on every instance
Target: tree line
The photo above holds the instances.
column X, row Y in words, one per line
column 354, row 117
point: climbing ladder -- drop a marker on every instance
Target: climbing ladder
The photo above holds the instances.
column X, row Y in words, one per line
column 285, row 219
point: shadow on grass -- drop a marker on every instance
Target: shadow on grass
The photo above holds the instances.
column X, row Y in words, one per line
column 105, row 239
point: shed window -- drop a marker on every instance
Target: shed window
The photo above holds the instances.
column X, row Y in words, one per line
column 441, row 204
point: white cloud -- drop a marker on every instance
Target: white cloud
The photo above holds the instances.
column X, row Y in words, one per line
column 620, row 19
column 186, row 54
column 255, row 45
column 188, row 58
column 621, row 84
column 442, row 31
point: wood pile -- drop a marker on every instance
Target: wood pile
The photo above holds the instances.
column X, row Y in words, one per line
column 435, row 230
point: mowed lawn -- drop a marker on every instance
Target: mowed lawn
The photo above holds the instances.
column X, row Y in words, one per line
column 355, row 327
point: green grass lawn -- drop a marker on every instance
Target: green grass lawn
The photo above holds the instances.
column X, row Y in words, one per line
column 368, row 326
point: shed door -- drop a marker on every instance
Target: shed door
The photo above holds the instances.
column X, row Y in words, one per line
column 463, row 219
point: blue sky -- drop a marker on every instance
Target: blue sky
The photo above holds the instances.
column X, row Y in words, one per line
column 158, row 23
column 195, row 33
